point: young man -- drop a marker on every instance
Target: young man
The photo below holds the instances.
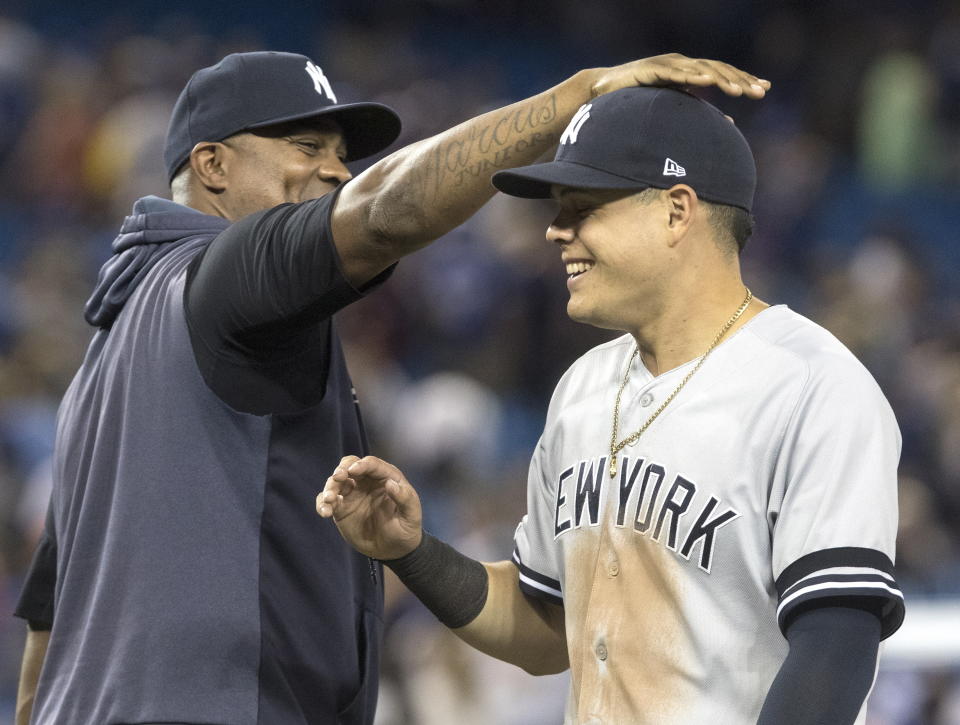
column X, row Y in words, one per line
column 712, row 506
column 180, row 579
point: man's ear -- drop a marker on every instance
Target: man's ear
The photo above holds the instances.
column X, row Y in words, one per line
column 208, row 163
column 682, row 203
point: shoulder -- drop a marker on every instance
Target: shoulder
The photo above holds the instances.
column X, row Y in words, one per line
column 597, row 371
column 812, row 356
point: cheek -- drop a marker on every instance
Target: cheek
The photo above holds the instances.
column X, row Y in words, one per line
column 300, row 182
column 261, row 182
column 635, row 254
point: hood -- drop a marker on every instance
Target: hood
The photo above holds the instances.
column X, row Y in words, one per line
column 154, row 229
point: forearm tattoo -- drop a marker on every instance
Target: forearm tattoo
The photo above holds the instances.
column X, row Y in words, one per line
column 480, row 149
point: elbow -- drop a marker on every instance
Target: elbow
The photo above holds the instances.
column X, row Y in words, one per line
column 395, row 208
column 393, row 202
column 397, row 221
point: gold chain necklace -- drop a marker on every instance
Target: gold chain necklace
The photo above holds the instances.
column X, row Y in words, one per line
column 615, row 447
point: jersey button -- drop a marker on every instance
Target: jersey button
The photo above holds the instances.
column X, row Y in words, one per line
column 602, row 652
column 646, row 399
column 614, row 568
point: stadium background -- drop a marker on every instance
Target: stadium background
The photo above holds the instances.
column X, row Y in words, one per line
column 858, row 148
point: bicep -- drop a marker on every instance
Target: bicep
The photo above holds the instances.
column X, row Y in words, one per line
column 259, row 303
column 833, row 540
column 273, row 269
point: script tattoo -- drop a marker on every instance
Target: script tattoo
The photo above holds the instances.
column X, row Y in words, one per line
column 480, row 151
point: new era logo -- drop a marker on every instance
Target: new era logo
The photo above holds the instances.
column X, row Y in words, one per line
column 576, row 123
column 320, row 82
column 672, row 168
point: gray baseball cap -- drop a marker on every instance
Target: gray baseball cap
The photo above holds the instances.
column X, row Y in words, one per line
column 636, row 138
column 245, row 91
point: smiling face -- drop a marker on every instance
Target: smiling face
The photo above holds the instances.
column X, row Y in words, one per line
column 616, row 249
column 285, row 163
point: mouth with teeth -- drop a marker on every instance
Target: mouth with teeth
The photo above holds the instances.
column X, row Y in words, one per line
column 577, row 269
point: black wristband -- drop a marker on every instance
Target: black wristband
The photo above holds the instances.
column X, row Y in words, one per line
column 451, row 585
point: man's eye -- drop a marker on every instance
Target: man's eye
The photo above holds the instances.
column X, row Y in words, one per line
column 312, row 145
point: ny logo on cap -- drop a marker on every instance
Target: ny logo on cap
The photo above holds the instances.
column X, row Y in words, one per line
column 320, row 82
column 576, row 123
column 672, row 168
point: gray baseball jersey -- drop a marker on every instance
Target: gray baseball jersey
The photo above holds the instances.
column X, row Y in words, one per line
column 768, row 485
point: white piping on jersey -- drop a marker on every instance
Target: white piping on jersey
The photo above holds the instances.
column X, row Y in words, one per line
column 845, row 570
column 542, row 587
column 839, row 571
column 838, row 586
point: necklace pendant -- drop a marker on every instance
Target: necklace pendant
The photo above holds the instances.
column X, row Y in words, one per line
column 613, row 466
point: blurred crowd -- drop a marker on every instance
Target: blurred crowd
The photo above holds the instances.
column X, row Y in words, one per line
column 858, row 149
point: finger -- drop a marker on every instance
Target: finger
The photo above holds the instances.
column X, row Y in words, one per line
column 328, row 502
column 730, row 86
column 751, row 85
column 404, row 496
column 727, row 80
column 337, row 487
column 330, row 499
column 745, row 75
column 703, row 74
column 376, row 468
column 347, row 461
column 329, row 510
column 730, row 79
column 324, row 509
column 340, row 475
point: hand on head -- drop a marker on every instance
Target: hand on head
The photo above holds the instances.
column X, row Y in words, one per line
column 674, row 69
column 374, row 506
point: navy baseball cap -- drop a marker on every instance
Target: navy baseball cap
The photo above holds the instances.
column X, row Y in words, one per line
column 640, row 137
column 245, row 91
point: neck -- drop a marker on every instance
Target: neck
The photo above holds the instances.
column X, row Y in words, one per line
column 201, row 202
column 687, row 324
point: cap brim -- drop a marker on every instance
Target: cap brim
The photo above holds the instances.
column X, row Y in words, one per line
column 368, row 128
column 534, row 182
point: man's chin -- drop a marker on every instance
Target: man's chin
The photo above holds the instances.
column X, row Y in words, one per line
column 591, row 317
column 578, row 313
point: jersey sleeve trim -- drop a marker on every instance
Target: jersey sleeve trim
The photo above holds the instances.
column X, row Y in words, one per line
column 538, row 585
column 834, row 576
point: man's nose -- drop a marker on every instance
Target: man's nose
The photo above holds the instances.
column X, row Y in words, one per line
column 334, row 171
column 559, row 233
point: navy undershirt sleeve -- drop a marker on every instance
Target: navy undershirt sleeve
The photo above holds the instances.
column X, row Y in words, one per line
column 36, row 598
column 828, row 673
column 259, row 302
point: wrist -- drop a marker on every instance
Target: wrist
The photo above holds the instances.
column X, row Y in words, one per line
column 587, row 83
column 451, row 585
column 411, row 554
